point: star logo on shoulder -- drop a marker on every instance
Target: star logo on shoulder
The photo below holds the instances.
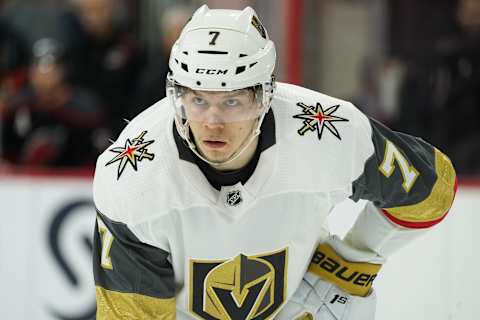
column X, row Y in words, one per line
column 133, row 152
column 315, row 118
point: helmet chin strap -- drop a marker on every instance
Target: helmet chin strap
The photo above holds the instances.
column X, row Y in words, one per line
column 246, row 143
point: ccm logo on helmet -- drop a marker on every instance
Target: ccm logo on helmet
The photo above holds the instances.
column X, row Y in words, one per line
column 211, row 71
column 342, row 272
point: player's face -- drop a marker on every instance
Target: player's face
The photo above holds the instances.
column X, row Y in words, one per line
column 221, row 122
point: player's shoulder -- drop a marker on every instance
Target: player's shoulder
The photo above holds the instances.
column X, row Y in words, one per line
column 311, row 111
column 132, row 171
column 291, row 92
column 324, row 130
column 295, row 99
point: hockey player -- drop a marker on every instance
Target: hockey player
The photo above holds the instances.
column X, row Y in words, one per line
column 212, row 203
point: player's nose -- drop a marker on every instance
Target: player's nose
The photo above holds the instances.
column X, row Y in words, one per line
column 213, row 118
column 213, row 125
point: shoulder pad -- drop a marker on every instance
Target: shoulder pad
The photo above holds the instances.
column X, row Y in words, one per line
column 316, row 137
column 128, row 170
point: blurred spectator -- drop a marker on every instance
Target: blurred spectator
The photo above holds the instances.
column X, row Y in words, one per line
column 441, row 95
column 13, row 59
column 110, row 59
column 151, row 84
column 49, row 122
column 380, row 82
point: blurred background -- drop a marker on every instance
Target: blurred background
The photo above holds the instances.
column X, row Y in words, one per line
column 72, row 71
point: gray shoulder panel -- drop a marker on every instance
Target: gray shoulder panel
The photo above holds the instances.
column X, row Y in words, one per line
column 136, row 267
column 385, row 191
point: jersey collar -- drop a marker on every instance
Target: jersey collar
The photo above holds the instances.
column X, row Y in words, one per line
column 209, row 182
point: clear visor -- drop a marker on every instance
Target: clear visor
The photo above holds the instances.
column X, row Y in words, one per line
column 216, row 106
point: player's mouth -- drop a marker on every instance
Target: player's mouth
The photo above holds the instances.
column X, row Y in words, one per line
column 214, row 144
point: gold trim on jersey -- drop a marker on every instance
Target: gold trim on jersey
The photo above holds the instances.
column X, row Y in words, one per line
column 112, row 305
column 355, row 278
column 437, row 204
column 106, row 239
column 305, row 316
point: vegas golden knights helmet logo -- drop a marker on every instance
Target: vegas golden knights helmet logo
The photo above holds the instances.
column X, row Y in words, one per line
column 245, row 287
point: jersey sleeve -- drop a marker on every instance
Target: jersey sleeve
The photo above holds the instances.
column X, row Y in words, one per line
column 411, row 181
column 133, row 280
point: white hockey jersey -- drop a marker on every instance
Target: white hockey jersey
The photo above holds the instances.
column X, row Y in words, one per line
column 169, row 240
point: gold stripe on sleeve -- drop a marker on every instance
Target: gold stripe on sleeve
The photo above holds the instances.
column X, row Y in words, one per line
column 113, row 305
column 438, row 202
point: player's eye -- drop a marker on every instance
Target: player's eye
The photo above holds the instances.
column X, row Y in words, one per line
column 199, row 101
column 232, row 102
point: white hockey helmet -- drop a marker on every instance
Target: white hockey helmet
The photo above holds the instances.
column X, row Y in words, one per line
column 221, row 50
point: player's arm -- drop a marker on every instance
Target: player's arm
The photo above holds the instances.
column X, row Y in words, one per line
column 133, row 280
column 409, row 183
column 410, row 186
